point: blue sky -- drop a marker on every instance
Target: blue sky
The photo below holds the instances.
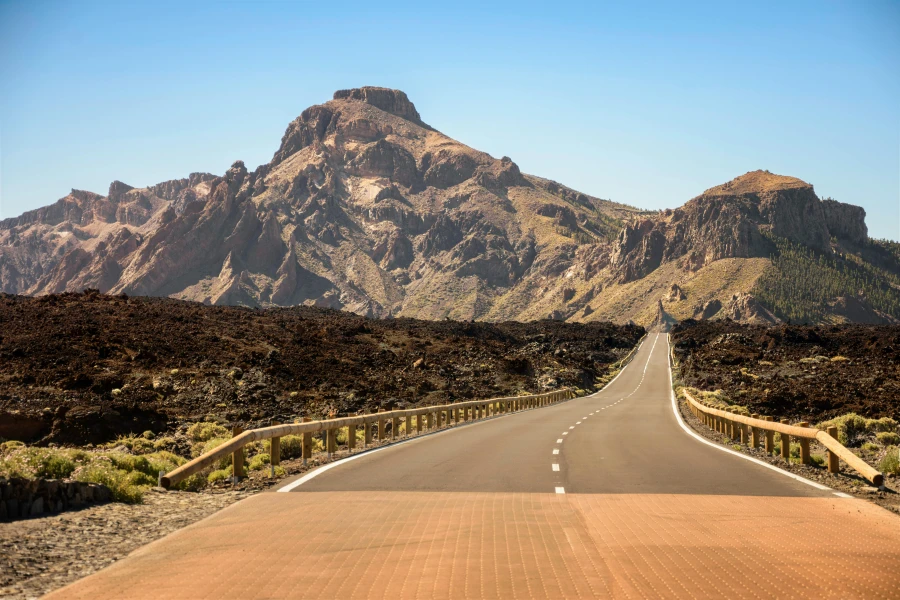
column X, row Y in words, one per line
column 647, row 104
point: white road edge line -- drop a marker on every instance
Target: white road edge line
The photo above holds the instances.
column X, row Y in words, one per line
column 560, row 490
column 316, row 472
column 700, row 438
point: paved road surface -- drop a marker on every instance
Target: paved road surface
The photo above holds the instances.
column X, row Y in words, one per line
column 603, row 496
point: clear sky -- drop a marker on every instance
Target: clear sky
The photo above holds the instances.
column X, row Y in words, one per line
column 647, row 104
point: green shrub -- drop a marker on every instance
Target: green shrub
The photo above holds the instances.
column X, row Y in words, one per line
column 259, row 461
column 219, row 475
column 884, row 424
column 888, row 438
column 137, row 445
column 163, row 443
column 203, row 432
column 11, row 445
column 55, row 465
column 891, row 462
column 163, row 461
column 203, row 448
column 192, row 483
column 148, row 435
column 104, row 473
column 852, row 428
column 818, row 460
column 130, row 462
column 139, row 479
column 291, row 446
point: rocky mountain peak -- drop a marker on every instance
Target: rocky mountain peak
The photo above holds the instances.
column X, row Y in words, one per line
column 388, row 100
column 757, row 182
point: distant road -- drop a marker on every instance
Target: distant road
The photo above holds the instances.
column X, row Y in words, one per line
column 601, row 496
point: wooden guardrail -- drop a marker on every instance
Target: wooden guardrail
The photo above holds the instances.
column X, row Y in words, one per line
column 748, row 429
column 427, row 417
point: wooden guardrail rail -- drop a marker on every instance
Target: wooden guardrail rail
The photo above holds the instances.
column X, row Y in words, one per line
column 427, row 417
column 747, row 430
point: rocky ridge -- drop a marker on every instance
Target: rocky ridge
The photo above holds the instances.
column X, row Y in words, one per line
column 366, row 208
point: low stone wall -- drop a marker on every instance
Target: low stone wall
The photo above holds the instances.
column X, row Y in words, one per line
column 21, row 498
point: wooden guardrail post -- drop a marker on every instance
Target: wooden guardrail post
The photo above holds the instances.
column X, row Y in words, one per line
column 429, row 421
column 833, row 466
column 237, row 457
column 275, row 448
column 331, row 442
column 307, row 443
column 395, row 428
column 367, row 434
column 381, row 426
column 770, row 438
column 754, row 433
column 351, row 435
column 456, row 415
column 438, row 418
column 418, row 424
column 804, row 446
column 785, row 443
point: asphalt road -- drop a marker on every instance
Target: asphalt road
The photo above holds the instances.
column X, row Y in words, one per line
column 623, row 439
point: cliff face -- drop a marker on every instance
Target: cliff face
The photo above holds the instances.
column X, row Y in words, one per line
column 729, row 221
column 364, row 207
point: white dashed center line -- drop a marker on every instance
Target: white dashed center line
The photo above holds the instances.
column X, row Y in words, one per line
column 565, row 433
column 556, row 451
column 571, row 427
column 559, row 441
column 560, row 490
column 555, row 467
column 578, row 422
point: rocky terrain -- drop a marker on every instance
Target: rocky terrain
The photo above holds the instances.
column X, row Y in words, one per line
column 800, row 372
column 86, row 368
column 366, row 208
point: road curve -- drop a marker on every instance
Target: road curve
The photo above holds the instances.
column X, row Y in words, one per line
column 597, row 497
column 624, row 439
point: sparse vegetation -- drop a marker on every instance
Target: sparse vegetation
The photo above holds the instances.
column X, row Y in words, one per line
column 854, row 430
column 801, row 282
column 891, row 462
column 888, row 438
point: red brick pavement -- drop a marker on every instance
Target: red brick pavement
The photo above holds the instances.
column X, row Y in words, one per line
column 513, row 545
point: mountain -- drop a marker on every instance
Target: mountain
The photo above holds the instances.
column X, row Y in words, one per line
column 366, row 208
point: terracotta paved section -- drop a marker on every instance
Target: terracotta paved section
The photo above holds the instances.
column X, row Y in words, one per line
column 490, row 545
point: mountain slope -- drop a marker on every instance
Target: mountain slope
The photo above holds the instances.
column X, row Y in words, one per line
column 367, row 208
column 363, row 207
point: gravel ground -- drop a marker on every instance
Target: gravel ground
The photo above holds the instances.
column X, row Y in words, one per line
column 846, row 481
column 42, row 554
